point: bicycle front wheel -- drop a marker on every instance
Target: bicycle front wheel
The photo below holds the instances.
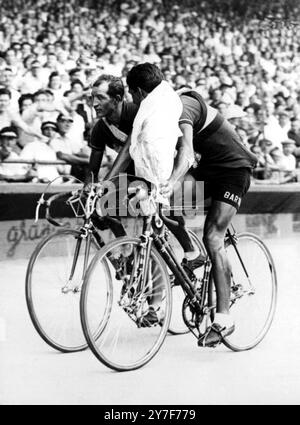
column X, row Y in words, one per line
column 253, row 292
column 139, row 299
column 53, row 286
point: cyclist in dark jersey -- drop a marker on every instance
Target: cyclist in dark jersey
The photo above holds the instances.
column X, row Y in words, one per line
column 115, row 118
column 113, row 128
column 225, row 167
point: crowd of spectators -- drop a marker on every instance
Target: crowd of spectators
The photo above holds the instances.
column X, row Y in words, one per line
column 242, row 56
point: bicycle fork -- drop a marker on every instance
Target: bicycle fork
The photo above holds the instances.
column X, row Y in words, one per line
column 85, row 234
column 134, row 294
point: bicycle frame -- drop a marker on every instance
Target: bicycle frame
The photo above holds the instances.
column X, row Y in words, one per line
column 153, row 234
column 199, row 298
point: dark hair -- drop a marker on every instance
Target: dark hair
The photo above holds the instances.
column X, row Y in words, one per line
column 5, row 91
column 274, row 150
column 24, row 97
column 145, row 76
column 62, row 115
column 77, row 81
column 30, row 56
column 185, row 86
column 66, row 93
column 8, row 69
column 295, row 118
column 36, row 61
column 261, row 141
column 13, row 45
column 115, row 85
column 39, row 92
column 73, row 71
column 49, row 92
column 53, row 74
column 252, row 148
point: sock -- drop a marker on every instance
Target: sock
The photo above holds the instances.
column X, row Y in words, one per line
column 224, row 320
column 191, row 255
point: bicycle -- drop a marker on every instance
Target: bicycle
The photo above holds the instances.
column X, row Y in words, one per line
column 56, row 271
column 139, row 306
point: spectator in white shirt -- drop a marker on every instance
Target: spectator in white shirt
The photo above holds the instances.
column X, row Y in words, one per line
column 25, row 101
column 56, row 87
column 41, row 151
column 284, row 121
column 278, row 133
column 288, row 161
column 6, row 81
column 35, row 79
column 9, row 118
column 66, row 147
column 42, row 109
column 12, row 172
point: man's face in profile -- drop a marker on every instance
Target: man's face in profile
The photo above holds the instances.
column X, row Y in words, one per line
column 103, row 103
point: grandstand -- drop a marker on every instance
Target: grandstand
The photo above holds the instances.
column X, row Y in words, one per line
column 247, row 51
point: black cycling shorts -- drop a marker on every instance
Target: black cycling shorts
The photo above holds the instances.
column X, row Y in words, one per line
column 227, row 185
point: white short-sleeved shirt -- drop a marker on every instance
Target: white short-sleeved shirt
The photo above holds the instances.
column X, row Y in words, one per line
column 41, row 151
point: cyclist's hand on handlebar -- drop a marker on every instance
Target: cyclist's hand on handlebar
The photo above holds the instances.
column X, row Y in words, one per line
column 87, row 187
column 98, row 187
column 139, row 192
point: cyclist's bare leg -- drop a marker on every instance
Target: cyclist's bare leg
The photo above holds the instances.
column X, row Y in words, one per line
column 217, row 221
column 216, row 224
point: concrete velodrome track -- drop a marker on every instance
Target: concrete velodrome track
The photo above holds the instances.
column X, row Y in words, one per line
column 181, row 373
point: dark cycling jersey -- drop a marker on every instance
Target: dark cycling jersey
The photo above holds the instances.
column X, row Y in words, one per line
column 219, row 145
column 102, row 136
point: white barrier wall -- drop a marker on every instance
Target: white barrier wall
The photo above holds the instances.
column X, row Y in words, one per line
column 19, row 238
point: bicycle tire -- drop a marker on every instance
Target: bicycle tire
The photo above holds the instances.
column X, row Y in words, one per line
column 47, row 256
column 133, row 346
column 247, row 334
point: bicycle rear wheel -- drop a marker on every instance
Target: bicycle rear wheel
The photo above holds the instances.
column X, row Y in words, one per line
column 177, row 324
column 52, row 297
column 130, row 337
column 253, row 297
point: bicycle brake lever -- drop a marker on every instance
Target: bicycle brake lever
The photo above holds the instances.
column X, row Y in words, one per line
column 40, row 202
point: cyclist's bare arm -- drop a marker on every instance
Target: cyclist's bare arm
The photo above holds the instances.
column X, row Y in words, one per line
column 73, row 159
column 20, row 123
column 183, row 161
column 121, row 162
